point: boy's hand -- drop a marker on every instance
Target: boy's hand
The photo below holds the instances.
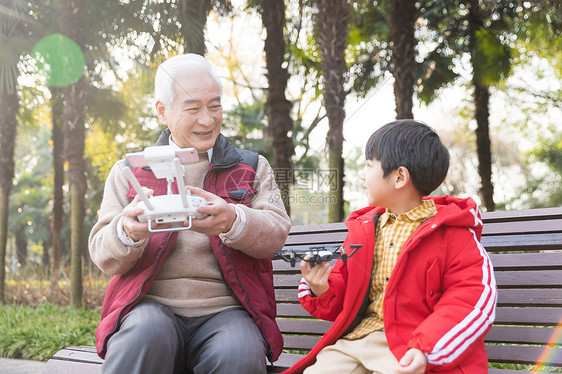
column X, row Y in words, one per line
column 317, row 276
column 413, row 362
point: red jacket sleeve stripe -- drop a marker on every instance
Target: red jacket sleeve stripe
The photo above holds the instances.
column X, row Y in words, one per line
column 304, row 288
column 458, row 339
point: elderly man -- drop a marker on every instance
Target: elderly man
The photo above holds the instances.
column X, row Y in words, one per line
column 199, row 300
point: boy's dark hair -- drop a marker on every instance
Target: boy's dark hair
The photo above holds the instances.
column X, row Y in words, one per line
column 414, row 145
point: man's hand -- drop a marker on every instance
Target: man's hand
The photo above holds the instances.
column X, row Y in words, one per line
column 413, row 362
column 131, row 225
column 221, row 214
column 317, row 276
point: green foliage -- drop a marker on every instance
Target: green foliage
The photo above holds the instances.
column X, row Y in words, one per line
column 38, row 333
column 491, row 57
column 15, row 40
column 31, row 194
column 539, row 31
column 546, row 191
column 435, row 72
column 526, row 368
column 368, row 46
column 550, row 152
column 244, row 126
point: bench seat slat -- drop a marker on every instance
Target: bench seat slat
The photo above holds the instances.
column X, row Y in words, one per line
column 286, row 360
column 526, row 261
column 524, row 354
column 532, row 278
column 504, row 315
column 523, row 242
column 78, row 354
column 299, row 342
column 530, row 296
column 509, row 296
column 522, row 227
column 498, row 334
column 316, row 238
column 322, row 227
column 522, row 215
column 55, row 366
column 528, row 316
column 304, row 327
column 521, row 334
column 508, row 371
column 524, row 278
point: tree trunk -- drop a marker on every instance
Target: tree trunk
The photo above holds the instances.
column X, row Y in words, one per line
column 193, row 17
column 57, row 137
column 332, row 26
column 4, row 209
column 74, row 154
column 20, row 240
column 277, row 107
column 72, row 24
column 45, row 258
column 483, row 145
column 9, row 106
column 76, row 242
column 403, row 15
column 482, row 112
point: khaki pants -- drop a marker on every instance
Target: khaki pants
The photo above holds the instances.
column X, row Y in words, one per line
column 363, row 356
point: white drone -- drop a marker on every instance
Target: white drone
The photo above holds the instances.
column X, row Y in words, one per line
column 165, row 162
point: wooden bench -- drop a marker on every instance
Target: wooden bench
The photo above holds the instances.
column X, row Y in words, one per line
column 526, row 250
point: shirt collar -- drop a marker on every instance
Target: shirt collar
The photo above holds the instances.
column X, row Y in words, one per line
column 421, row 212
column 171, row 142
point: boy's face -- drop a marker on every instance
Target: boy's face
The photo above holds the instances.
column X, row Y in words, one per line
column 380, row 190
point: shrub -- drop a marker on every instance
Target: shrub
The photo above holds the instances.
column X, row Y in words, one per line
column 39, row 332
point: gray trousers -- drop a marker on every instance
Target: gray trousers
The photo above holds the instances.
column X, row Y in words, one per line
column 154, row 340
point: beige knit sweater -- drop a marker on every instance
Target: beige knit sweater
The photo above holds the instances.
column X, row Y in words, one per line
column 189, row 281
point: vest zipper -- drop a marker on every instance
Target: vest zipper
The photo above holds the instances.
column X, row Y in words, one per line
column 132, row 302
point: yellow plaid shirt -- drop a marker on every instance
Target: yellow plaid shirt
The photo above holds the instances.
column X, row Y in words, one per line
column 391, row 234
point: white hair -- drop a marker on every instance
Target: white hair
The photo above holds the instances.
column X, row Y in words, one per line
column 164, row 90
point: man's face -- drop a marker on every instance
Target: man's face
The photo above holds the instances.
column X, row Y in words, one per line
column 195, row 117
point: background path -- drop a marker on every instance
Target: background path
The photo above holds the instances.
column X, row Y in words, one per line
column 11, row 366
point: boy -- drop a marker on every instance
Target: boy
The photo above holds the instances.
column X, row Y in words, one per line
column 420, row 294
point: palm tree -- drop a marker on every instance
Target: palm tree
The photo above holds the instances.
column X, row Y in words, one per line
column 277, row 107
column 475, row 29
column 403, row 15
column 14, row 35
column 72, row 23
column 331, row 26
column 481, row 96
column 57, row 137
column 193, row 18
column 9, row 105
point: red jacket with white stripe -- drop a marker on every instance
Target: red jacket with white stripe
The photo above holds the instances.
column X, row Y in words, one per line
column 440, row 297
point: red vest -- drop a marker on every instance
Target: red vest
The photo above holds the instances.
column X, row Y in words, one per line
column 250, row 279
